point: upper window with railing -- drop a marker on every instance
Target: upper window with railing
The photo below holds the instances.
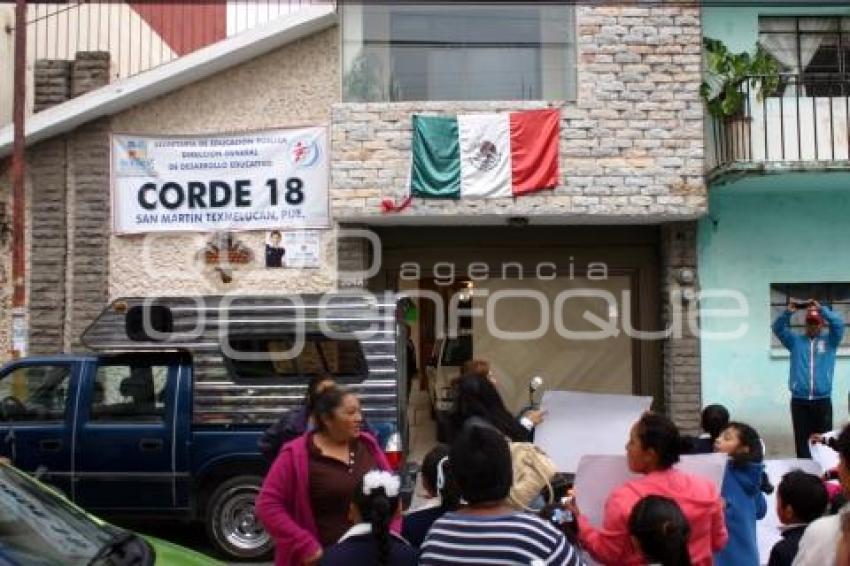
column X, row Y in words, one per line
column 815, row 49
column 402, row 51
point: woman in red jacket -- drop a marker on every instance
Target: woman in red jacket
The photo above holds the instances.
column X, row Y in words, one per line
column 304, row 501
column 654, row 446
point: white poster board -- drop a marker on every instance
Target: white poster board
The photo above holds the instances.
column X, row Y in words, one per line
column 272, row 179
column 598, row 476
column 826, row 457
column 586, row 423
column 303, row 248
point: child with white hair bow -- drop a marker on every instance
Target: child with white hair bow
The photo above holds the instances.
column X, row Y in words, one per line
column 442, row 496
column 374, row 505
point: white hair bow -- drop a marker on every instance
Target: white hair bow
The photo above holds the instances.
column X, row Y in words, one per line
column 379, row 478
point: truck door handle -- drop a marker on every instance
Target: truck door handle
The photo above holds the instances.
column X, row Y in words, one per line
column 150, row 444
column 50, row 445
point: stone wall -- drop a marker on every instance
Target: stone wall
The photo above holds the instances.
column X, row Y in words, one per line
column 89, row 223
column 47, row 165
column 89, row 71
column 631, row 145
column 52, row 83
column 682, row 376
column 292, row 86
column 68, row 180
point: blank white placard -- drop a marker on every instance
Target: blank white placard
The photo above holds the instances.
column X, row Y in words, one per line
column 586, row 423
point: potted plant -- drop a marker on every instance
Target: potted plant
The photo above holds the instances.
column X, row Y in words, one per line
column 726, row 72
column 724, row 92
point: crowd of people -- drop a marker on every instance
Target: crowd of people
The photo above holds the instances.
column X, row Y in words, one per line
column 331, row 497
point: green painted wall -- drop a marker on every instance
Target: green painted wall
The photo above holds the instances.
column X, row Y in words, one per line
column 738, row 26
column 782, row 228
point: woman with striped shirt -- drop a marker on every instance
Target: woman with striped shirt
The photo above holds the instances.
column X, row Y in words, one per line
column 488, row 531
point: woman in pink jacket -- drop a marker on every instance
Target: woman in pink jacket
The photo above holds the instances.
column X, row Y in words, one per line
column 654, row 446
column 304, row 501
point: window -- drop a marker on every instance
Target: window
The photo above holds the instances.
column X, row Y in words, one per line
column 132, row 392
column 34, row 393
column 816, row 49
column 836, row 296
column 272, row 358
column 402, row 51
column 148, row 323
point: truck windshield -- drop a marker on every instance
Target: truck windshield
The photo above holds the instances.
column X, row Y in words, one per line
column 38, row 527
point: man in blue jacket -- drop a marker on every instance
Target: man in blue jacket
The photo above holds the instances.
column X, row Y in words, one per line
column 812, row 368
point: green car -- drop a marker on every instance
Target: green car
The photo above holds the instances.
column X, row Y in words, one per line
column 39, row 527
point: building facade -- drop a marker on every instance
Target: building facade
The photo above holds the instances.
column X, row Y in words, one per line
column 618, row 234
column 777, row 208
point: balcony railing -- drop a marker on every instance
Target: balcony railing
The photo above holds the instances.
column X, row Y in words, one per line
column 143, row 35
column 803, row 124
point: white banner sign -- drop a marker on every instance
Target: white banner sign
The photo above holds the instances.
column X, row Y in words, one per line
column 253, row 181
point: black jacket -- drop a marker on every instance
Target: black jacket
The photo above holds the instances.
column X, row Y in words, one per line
column 785, row 550
column 361, row 550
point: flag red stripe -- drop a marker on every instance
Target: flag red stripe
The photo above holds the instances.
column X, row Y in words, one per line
column 534, row 150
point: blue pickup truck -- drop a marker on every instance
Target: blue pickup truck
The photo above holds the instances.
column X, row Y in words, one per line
column 163, row 419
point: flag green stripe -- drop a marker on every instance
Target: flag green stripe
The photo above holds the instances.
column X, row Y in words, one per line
column 435, row 168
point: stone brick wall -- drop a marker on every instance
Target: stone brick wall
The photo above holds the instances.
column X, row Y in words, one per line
column 631, row 145
column 353, row 256
column 68, row 212
column 89, row 214
column 89, row 70
column 52, row 83
column 47, row 166
column 682, row 381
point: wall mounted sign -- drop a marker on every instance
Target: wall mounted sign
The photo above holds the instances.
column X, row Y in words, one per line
column 303, row 248
column 274, row 179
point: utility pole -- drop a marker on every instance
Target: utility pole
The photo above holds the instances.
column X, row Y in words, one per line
column 19, row 321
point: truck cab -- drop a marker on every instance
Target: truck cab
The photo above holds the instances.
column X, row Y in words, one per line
column 163, row 419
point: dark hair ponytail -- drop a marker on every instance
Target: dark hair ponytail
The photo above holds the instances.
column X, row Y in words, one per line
column 312, row 389
column 438, row 477
column 381, row 517
column 378, row 509
column 662, row 531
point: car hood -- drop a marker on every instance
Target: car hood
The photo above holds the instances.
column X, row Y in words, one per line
column 170, row 554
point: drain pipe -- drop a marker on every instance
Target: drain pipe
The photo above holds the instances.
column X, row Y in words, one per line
column 19, row 322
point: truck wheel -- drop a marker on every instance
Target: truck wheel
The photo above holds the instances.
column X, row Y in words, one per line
column 232, row 525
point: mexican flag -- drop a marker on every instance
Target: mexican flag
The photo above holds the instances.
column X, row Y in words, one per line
column 484, row 155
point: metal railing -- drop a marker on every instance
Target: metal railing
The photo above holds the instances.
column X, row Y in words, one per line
column 807, row 119
column 143, row 35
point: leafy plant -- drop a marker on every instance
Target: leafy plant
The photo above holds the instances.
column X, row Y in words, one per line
column 727, row 72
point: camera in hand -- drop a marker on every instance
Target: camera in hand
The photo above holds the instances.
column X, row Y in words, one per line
column 802, row 304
